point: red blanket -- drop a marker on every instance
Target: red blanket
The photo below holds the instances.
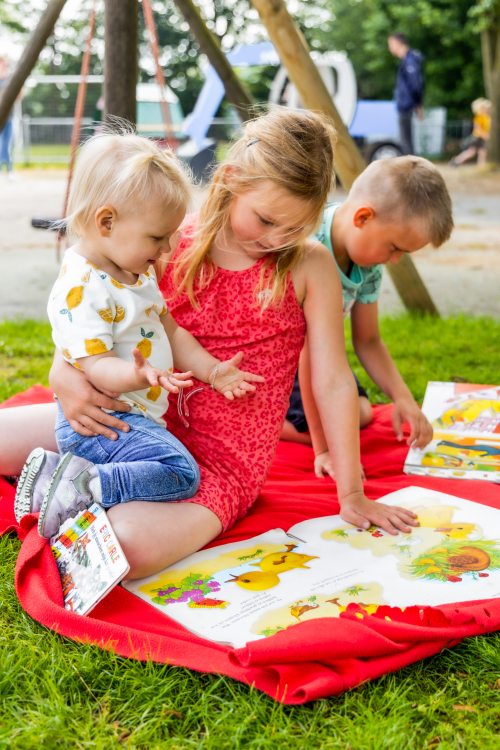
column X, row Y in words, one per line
column 312, row 659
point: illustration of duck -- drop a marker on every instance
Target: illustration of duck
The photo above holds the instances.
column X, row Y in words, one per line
column 369, row 608
column 271, row 566
column 438, row 517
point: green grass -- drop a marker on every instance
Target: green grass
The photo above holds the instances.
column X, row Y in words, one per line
column 55, row 693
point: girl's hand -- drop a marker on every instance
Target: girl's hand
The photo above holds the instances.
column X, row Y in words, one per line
column 407, row 410
column 230, row 381
column 153, row 376
column 83, row 405
column 360, row 511
column 323, row 466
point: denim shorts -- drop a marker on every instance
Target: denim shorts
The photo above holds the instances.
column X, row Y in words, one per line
column 146, row 463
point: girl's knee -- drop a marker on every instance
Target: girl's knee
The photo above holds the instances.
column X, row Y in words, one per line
column 365, row 412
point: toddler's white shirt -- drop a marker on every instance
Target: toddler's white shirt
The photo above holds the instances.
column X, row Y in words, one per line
column 92, row 313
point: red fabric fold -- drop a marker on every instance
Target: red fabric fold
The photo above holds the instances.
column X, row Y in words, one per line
column 310, row 660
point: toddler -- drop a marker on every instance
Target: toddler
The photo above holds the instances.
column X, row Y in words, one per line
column 109, row 319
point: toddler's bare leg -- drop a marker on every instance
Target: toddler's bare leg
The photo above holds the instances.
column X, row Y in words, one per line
column 154, row 535
column 22, row 429
column 365, row 412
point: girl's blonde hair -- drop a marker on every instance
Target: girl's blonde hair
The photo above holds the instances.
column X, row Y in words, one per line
column 293, row 149
column 125, row 171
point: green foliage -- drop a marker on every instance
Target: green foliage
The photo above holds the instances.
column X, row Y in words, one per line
column 440, row 29
column 56, row 693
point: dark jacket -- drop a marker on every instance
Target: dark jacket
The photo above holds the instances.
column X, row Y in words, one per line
column 410, row 81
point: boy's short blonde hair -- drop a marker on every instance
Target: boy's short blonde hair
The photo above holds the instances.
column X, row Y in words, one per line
column 127, row 172
column 480, row 104
column 407, row 188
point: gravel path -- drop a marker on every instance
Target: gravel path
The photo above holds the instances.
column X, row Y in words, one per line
column 462, row 276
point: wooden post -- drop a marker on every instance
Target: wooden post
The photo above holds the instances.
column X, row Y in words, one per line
column 121, row 36
column 294, row 53
column 236, row 92
column 28, row 59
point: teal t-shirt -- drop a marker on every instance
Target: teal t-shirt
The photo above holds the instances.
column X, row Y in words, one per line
column 362, row 284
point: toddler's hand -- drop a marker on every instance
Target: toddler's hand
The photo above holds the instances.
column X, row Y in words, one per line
column 407, row 410
column 323, row 466
column 357, row 509
column 232, row 382
column 168, row 380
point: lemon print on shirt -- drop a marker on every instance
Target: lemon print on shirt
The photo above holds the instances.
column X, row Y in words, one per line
column 144, row 346
column 62, row 272
column 106, row 315
column 164, row 311
column 86, row 277
column 73, row 299
column 65, row 353
column 154, row 393
column 95, row 346
column 117, row 283
column 120, row 314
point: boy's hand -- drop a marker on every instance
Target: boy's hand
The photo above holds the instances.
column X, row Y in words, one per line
column 155, row 377
column 323, row 466
column 407, row 410
column 230, row 381
column 358, row 510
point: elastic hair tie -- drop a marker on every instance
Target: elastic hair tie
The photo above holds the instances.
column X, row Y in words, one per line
column 251, row 141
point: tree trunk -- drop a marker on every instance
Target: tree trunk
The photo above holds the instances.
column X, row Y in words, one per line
column 121, row 31
column 28, row 59
column 236, row 92
column 490, row 48
column 294, row 53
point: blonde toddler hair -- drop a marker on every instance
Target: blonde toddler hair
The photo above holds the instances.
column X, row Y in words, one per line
column 127, row 172
column 407, row 188
column 294, row 150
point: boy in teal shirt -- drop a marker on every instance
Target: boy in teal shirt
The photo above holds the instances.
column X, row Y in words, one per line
column 395, row 206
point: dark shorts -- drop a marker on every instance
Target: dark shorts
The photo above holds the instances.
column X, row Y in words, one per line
column 295, row 413
column 472, row 141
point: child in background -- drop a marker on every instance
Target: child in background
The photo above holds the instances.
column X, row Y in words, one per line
column 395, row 206
column 476, row 143
column 109, row 319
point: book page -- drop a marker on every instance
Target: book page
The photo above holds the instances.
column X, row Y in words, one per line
column 466, row 440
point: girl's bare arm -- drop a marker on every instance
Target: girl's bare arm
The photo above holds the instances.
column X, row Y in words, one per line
column 335, row 392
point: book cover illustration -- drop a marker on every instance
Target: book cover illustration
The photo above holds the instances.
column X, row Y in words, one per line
column 250, row 590
column 466, row 441
column 89, row 559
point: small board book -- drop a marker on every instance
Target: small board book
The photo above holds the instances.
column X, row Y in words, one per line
column 466, row 440
column 89, row 559
column 246, row 591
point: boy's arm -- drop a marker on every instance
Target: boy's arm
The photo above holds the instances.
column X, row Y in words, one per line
column 378, row 363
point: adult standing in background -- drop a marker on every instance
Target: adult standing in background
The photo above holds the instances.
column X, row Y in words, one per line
column 409, row 87
column 6, row 133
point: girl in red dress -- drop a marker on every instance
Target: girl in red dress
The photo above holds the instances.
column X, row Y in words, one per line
column 244, row 278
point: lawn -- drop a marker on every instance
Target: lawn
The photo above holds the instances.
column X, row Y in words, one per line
column 57, row 693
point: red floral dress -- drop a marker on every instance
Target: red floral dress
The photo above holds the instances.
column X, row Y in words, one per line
column 234, row 441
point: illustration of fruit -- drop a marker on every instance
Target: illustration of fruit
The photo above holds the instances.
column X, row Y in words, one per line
column 91, row 264
column 117, row 283
column 484, row 575
column 75, row 364
column 73, row 299
column 154, row 393
column 164, row 311
column 62, row 272
column 453, row 579
column 120, row 314
column 144, row 346
column 148, row 310
column 208, row 604
column 95, row 346
column 106, row 315
column 65, row 353
column 433, row 569
column 137, row 283
column 86, row 277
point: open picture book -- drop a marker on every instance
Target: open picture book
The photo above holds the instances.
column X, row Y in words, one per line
column 245, row 591
column 466, row 440
column 89, row 559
